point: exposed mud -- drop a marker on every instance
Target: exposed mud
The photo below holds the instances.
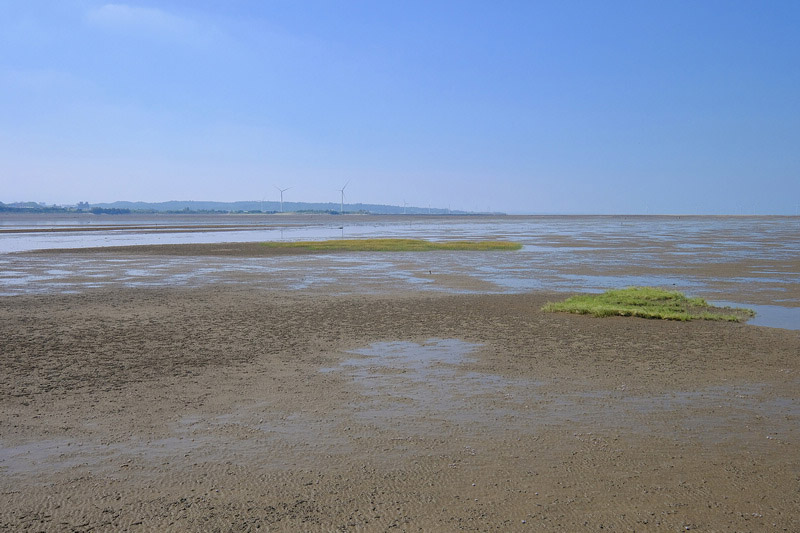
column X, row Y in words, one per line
column 245, row 406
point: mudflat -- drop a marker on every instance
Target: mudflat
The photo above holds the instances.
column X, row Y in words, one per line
column 236, row 407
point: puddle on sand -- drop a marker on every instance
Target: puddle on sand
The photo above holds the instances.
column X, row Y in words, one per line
column 403, row 382
column 270, row 440
column 431, row 371
column 43, row 455
column 405, row 379
column 771, row 316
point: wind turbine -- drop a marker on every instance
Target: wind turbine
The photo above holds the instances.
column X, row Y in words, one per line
column 341, row 208
column 282, row 191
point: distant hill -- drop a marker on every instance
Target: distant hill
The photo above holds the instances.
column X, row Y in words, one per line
column 193, row 206
column 177, row 206
column 30, row 207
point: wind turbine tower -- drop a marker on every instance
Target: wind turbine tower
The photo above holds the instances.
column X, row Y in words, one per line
column 341, row 207
column 282, row 191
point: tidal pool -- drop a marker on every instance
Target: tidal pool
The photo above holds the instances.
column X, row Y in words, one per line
column 404, row 384
column 772, row 316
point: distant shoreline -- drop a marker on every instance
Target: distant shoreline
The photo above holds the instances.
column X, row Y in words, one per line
column 239, row 207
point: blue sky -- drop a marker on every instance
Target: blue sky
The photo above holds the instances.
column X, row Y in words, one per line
column 516, row 106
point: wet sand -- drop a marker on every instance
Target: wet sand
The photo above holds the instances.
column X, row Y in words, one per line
column 243, row 407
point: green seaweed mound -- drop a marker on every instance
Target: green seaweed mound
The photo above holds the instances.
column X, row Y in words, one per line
column 648, row 302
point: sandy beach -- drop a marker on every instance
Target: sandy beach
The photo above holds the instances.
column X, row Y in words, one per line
column 240, row 407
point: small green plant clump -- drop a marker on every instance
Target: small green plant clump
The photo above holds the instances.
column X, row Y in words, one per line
column 395, row 245
column 648, row 302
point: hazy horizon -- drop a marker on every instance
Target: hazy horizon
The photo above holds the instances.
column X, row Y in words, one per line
column 519, row 107
column 272, row 207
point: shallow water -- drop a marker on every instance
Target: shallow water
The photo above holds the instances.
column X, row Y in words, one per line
column 404, row 381
column 772, row 316
column 755, row 259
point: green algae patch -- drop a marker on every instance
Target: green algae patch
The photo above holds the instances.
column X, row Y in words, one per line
column 648, row 302
column 394, row 245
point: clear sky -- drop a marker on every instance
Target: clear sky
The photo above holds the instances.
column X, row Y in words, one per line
column 518, row 106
